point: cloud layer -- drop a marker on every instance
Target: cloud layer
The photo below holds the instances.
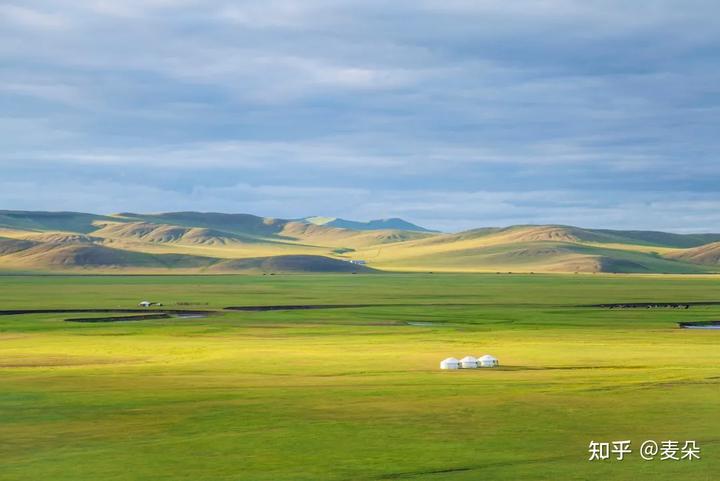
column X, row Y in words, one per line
column 451, row 113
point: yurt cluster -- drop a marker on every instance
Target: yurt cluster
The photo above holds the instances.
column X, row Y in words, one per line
column 469, row 362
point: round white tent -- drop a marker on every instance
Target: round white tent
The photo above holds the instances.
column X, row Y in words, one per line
column 449, row 363
column 488, row 361
column 469, row 362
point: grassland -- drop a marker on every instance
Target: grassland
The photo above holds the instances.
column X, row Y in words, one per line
column 356, row 394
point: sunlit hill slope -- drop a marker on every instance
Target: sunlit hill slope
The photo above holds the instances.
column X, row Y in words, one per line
column 243, row 243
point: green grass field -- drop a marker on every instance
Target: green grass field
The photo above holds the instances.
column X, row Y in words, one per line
column 356, row 394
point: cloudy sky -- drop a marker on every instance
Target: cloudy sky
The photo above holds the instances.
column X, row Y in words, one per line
column 449, row 113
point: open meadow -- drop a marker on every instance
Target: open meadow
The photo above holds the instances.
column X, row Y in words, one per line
column 355, row 393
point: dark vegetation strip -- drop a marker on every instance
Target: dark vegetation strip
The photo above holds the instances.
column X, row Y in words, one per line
column 425, row 473
column 120, row 318
column 478, row 467
column 654, row 305
column 699, row 323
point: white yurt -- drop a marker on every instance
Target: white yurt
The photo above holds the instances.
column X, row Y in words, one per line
column 468, row 362
column 449, row 363
column 488, row 361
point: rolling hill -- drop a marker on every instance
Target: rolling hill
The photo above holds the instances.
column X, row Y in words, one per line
column 529, row 256
column 540, row 249
column 290, row 264
column 164, row 233
column 49, row 221
column 217, row 242
column 708, row 254
column 342, row 237
column 243, row 224
column 83, row 256
column 377, row 224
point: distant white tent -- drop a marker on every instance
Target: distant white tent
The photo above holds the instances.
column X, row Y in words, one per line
column 488, row 361
column 145, row 304
column 449, row 363
column 469, row 362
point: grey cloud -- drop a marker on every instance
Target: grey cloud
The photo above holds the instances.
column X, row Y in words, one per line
column 449, row 211
column 615, row 102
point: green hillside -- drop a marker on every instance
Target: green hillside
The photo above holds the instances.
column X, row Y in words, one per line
column 217, row 242
column 376, row 224
column 661, row 238
column 49, row 221
column 235, row 223
column 546, row 256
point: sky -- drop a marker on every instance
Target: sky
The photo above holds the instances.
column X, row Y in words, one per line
column 452, row 114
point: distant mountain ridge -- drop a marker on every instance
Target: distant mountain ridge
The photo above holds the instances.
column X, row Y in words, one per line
column 377, row 224
column 211, row 242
